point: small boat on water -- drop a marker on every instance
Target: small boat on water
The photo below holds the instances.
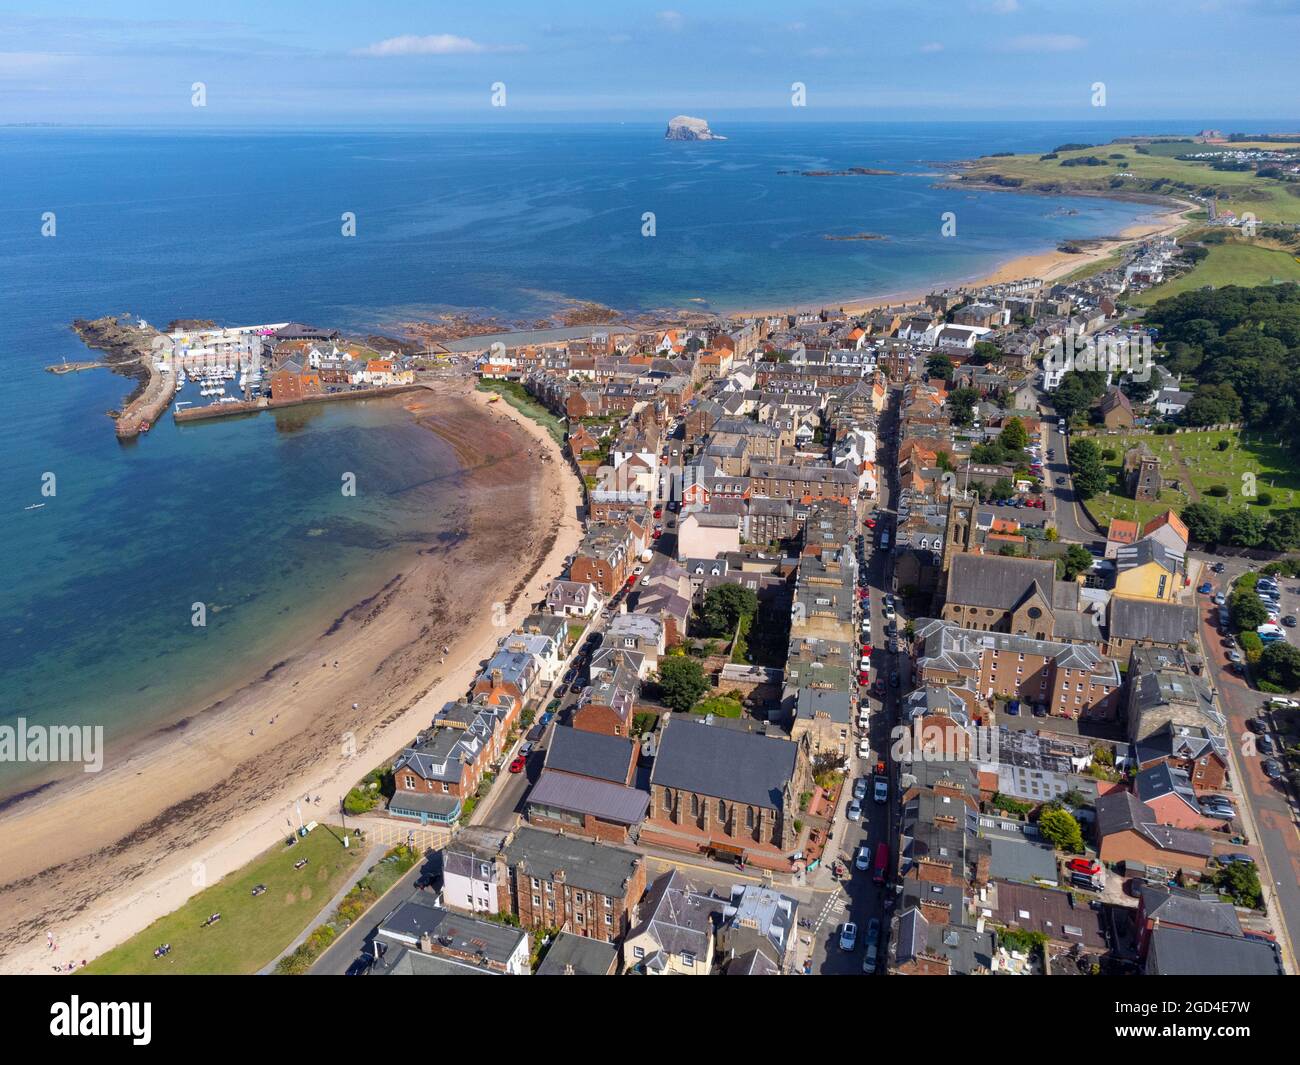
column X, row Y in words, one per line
column 34, row 506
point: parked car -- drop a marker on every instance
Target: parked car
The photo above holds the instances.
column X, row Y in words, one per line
column 1289, row 621
column 1087, row 866
column 872, row 955
column 1273, row 769
column 1206, row 588
column 1256, row 724
column 881, row 790
column 1265, row 743
column 1220, row 599
column 848, row 935
column 1236, row 858
column 862, row 860
column 1218, row 567
column 1279, row 702
column 1060, row 480
column 864, row 747
column 1235, row 656
column 1220, row 813
column 855, row 810
column 860, row 788
column 517, row 766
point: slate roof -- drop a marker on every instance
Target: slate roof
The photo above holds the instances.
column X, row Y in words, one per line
column 680, row 917
column 997, row 581
column 723, row 763
column 1188, row 911
column 467, row 935
column 586, row 956
column 584, row 795
column 1147, row 619
column 587, row 864
column 590, row 754
column 1182, row 952
column 1122, row 811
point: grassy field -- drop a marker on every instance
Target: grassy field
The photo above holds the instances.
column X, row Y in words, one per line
column 517, row 396
column 1268, row 198
column 252, row 931
column 1228, row 264
column 1197, row 455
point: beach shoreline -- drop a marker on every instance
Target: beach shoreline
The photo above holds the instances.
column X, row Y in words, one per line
column 199, row 800
column 1048, row 265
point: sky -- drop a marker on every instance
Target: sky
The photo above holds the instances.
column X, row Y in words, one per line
column 318, row 63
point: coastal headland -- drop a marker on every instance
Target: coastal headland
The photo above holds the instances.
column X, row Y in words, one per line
column 97, row 858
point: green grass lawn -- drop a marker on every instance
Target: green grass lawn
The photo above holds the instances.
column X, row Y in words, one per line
column 252, row 931
column 1261, row 455
column 517, row 396
column 1228, row 264
column 1269, row 199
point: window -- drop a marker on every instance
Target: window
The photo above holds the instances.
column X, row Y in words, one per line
column 537, row 900
column 445, row 787
column 409, row 782
column 638, row 952
column 577, row 897
column 688, row 959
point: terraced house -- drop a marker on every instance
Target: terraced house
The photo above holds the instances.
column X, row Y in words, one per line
column 1065, row 679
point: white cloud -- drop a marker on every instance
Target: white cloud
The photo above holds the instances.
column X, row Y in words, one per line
column 1005, row 7
column 1046, row 42
column 432, row 44
column 933, row 46
column 671, row 20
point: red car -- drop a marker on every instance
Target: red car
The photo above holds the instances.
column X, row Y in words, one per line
column 659, row 512
column 871, row 523
column 866, row 650
column 658, row 533
column 1084, row 865
column 517, row 766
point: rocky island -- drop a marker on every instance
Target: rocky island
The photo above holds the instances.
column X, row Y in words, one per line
column 686, row 128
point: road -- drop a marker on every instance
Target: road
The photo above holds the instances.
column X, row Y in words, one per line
column 1271, row 807
column 1072, row 524
column 857, row 897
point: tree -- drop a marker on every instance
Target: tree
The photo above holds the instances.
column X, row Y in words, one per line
column 961, row 406
column 1246, row 610
column 1061, row 830
column 1243, row 527
column 984, row 353
column 1213, row 404
column 1078, row 391
column 1141, row 391
column 1090, row 477
column 1002, row 487
column 1204, row 523
column 1280, row 664
column 1014, row 436
column 1283, row 531
column 939, row 365
column 725, row 605
column 1075, row 560
column 681, row 683
column 1240, row 881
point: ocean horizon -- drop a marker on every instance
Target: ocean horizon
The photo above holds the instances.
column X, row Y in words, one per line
column 245, row 226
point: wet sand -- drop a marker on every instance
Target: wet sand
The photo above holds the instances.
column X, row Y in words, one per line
column 97, row 858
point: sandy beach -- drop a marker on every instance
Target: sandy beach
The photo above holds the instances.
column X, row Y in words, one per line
column 96, row 859
column 1050, row 265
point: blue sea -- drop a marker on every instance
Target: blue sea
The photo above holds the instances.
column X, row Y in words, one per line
column 245, row 227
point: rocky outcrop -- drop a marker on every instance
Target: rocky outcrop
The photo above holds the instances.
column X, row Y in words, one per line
column 686, row 128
